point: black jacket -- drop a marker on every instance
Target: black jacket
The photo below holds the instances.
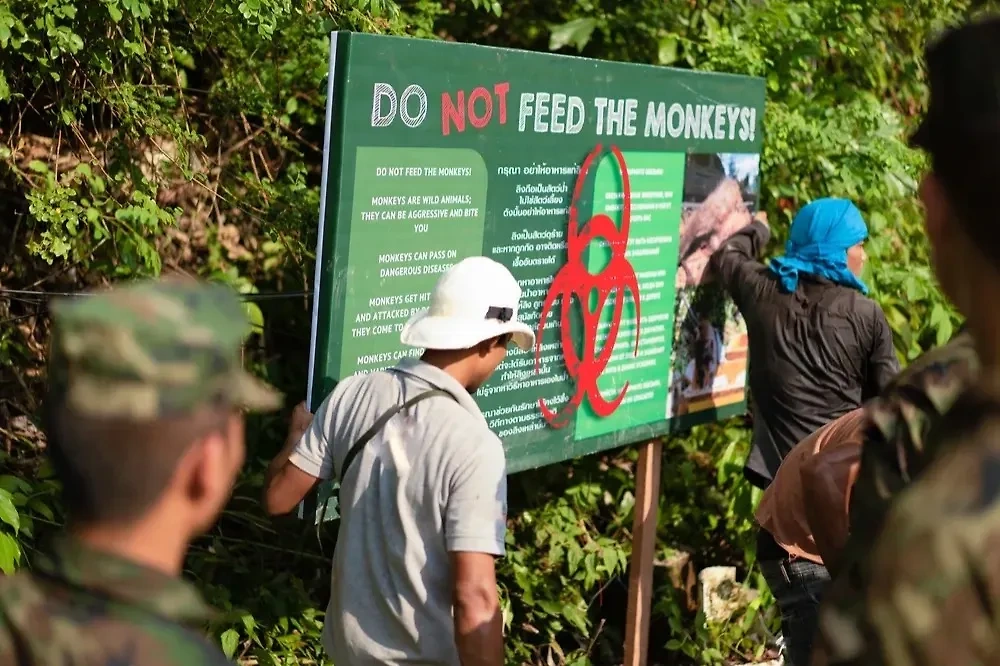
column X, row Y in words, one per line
column 815, row 354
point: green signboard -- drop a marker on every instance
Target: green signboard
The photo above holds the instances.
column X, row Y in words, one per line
column 604, row 187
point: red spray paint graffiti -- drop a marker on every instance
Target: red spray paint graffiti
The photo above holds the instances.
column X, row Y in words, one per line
column 574, row 280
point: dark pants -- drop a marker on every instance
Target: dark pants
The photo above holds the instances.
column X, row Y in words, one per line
column 797, row 586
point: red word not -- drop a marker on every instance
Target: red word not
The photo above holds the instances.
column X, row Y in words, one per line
column 477, row 106
column 574, row 281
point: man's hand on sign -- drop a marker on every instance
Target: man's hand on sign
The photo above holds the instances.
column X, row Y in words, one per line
column 286, row 485
column 300, row 422
column 761, row 216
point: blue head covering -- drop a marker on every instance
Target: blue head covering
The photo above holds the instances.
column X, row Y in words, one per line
column 817, row 244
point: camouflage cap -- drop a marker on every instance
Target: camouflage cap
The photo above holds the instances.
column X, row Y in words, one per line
column 153, row 349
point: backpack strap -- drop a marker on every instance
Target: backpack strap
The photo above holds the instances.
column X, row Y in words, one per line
column 379, row 424
column 359, row 445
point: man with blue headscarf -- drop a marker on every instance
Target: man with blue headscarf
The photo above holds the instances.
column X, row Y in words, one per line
column 825, row 241
column 819, row 348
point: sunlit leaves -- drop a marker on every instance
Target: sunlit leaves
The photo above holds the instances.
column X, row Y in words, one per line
column 576, row 32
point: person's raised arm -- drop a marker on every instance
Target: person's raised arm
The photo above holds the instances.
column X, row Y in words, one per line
column 883, row 364
column 475, row 525
column 736, row 261
column 300, row 464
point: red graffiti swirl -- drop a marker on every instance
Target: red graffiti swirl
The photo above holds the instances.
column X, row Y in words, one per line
column 574, row 280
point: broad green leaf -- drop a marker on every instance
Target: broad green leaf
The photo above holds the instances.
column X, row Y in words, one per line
column 938, row 315
column 573, row 558
column 576, row 617
column 254, row 315
column 590, row 565
column 230, row 639
column 667, row 54
column 27, row 527
column 10, row 553
column 610, row 556
column 42, row 509
column 713, row 656
column 940, row 323
column 550, row 606
column 877, row 222
column 8, row 513
column 576, row 32
column 13, row 484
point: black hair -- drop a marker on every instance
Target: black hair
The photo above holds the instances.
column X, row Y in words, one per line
column 114, row 470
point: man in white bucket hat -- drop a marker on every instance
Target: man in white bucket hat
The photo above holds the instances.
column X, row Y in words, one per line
column 423, row 483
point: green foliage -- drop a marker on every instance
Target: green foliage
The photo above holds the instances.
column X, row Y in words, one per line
column 22, row 504
column 566, row 544
column 707, row 513
column 10, row 549
column 154, row 135
column 76, row 219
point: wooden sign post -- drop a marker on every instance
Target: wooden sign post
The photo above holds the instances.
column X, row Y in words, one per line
column 640, row 583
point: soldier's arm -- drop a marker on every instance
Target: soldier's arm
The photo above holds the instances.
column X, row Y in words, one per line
column 894, row 452
column 893, row 455
column 934, row 585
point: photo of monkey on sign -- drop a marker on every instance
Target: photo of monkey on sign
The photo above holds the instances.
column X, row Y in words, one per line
column 719, row 191
column 708, row 367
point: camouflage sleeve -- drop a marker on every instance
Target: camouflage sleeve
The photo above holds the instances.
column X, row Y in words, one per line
column 935, row 571
column 895, row 452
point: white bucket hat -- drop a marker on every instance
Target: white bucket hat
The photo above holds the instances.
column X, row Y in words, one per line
column 475, row 300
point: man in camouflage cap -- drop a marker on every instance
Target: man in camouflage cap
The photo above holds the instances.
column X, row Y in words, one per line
column 894, row 454
column 930, row 588
column 145, row 431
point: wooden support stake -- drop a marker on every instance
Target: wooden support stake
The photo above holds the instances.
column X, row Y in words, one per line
column 640, row 582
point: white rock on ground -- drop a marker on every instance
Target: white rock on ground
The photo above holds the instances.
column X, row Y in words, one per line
column 716, row 592
column 720, row 595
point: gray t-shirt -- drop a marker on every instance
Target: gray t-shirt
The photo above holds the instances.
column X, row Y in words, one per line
column 433, row 481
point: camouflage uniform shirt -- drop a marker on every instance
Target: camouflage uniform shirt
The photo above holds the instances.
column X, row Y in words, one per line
column 934, row 584
column 896, row 451
column 87, row 608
